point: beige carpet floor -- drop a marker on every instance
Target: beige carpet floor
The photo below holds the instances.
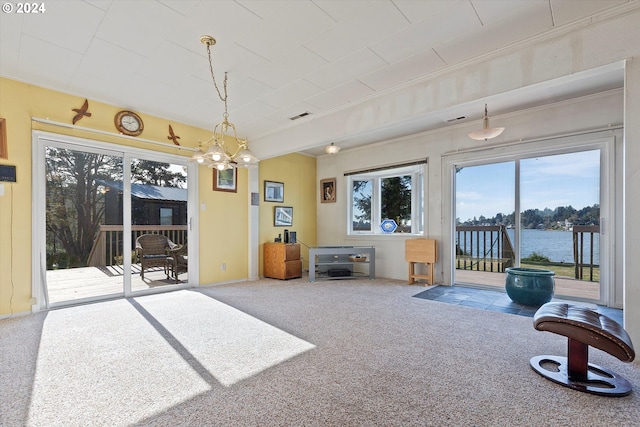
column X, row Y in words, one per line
column 290, row 353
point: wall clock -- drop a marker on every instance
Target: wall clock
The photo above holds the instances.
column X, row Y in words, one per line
column 129, row 123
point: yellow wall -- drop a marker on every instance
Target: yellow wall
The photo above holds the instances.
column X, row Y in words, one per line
column 298, row 173
column 19, row 102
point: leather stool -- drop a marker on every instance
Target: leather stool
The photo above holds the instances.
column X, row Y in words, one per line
column 583, row 327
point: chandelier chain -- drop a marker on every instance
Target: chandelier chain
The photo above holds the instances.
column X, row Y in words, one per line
column 215, row 84
column 217, row 156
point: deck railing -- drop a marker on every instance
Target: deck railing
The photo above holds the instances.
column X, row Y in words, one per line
column 579, row 234
column 107, row 247
column 483, row 248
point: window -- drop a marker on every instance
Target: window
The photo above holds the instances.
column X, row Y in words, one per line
column 166, row 216
column 387, row 201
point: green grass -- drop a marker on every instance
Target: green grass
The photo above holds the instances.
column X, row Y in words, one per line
column 561, row 269
column 566, row 270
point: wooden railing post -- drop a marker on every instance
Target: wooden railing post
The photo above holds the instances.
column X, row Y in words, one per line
column 578, row 249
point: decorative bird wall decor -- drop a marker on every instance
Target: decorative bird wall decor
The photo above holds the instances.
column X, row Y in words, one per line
column 172, row 136
column 81, row 112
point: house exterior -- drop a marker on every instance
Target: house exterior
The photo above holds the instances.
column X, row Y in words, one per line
column 150, row 204
column 232, row 230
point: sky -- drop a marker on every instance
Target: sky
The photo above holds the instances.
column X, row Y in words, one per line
column 545, row 182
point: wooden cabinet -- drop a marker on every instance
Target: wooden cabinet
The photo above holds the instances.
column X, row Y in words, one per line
column 282, row 260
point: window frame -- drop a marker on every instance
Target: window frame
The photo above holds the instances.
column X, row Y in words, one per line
column 416, row 171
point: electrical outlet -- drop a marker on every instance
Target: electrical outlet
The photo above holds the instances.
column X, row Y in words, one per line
column 223, row 266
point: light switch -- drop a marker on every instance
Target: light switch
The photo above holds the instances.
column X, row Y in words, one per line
column 1, row 189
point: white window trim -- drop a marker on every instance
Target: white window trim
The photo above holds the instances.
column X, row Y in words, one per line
column 417, row 199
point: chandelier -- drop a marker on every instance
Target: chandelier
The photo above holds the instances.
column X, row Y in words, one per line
column 486, row 132
column 213, row 152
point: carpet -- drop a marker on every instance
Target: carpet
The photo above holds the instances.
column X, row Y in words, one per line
column 290, row 353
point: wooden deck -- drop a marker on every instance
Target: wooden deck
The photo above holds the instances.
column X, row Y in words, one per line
column 91, row 282
column 565, row 286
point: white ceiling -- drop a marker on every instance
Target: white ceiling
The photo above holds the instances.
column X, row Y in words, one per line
column 283, row 57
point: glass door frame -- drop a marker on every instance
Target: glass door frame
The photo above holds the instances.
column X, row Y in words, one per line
column 605, row 141
column 40, row 140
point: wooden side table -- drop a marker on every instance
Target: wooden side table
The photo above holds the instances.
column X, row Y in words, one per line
column 282, row 260
column 424, row 251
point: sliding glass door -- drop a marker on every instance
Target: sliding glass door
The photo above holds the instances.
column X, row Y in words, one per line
column 159, row 205
column 77, row 264
column 485, row 219
column 538, row 211
column 560, row 206
column 92, row 203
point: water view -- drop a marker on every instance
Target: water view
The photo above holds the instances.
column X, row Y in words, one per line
column 555, row 193
column 555, row 245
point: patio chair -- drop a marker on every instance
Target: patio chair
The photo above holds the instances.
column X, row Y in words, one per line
column 177, row 262
column 152, row 251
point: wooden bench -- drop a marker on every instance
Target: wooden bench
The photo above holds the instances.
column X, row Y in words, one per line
column 583, row 327
column 424, row 251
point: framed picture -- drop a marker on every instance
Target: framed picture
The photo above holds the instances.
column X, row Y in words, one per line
column 328, row 190
column 3, row 139
column 225, row 180
column 283, row 216
column 273, row 191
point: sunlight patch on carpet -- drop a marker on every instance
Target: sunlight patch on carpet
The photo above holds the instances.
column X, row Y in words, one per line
column 132, row 359
column 105, row 356
column 232, row 345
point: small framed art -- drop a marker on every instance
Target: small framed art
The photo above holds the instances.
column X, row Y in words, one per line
column 273, row 191
column 328, row 190
column 225, row 180
column 282, row 216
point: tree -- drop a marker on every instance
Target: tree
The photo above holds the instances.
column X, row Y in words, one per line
column 396, row 198
column 155, row 173
column 75, row 206
column 530, row 218
column 362, row 204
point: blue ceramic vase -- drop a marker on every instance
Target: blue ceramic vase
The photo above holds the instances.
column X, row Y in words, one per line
column 530, row 286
